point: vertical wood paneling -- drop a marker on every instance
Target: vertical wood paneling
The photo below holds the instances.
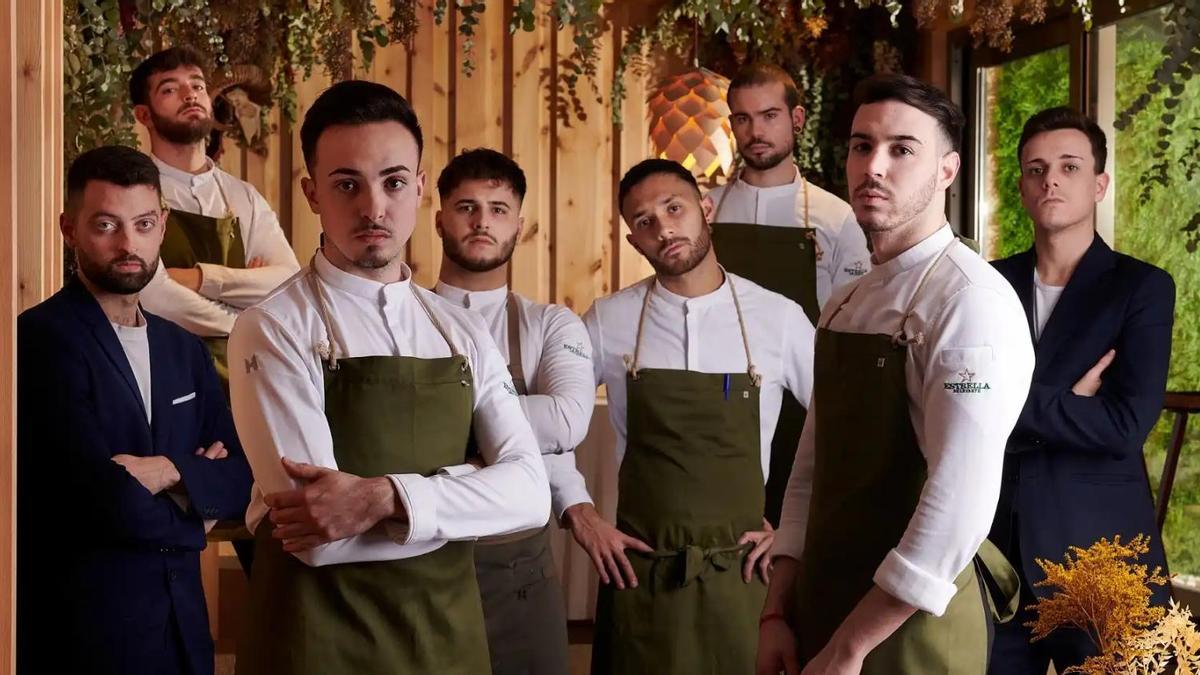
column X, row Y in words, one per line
column 583, row 208
column 528, row 120
column 55, row 175
column 306, row 226
column 430, row 96
column 32, row 209
column 479, row 98
column 8, row 327
column 262, row 170
column 634, row 142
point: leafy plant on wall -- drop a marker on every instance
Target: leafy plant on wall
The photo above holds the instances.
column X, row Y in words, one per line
column 285, row 40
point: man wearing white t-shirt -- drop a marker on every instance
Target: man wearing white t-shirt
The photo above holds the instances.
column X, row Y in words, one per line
column 1100, row 322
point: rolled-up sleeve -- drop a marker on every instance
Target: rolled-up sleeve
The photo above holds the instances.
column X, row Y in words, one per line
column 969, row 379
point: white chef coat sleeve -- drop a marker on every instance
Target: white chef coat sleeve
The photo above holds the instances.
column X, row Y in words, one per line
column 509, row 494
column 195, row 313
column 850, row 259
column 977, row 364
column 563, row 392
column 279, row 410
column 591, row 321
column 242, row 288
column 799, row 341
column 793, row 522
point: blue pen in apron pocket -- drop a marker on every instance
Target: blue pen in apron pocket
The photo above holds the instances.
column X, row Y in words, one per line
column 726, row 386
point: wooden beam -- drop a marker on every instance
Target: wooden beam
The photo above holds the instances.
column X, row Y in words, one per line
column 9, row 84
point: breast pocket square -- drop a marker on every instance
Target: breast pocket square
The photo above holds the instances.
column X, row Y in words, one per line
column 183, row 399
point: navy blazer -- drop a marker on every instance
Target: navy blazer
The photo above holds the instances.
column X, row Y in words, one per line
column 1074, row 470
column 108, row 576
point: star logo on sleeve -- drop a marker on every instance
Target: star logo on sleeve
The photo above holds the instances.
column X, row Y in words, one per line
column 966, row 384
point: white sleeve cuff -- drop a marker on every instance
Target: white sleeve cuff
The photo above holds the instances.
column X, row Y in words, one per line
column 911, row 584
column 212, row 280
column 417, row 496
column 456, row 470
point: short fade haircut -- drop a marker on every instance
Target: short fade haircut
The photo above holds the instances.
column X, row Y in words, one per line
column 1053, row 119
column 481, row 164
column 354, row 103
column 116, row 164
column 759, row 73
column 918, row 94
column 652, row 167
column 161, row 62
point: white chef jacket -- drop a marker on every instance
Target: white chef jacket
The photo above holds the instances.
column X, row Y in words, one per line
column 841, row 245
column 556, row 357
column 702, row 335
column 974, row 333
column 278, row 396
column 224, row 291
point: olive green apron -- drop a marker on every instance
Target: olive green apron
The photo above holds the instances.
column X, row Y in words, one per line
column 867, row 480
column 523, row 605
column 415, row 616
column 782, row 259
column 690, row 484
column 192, row 238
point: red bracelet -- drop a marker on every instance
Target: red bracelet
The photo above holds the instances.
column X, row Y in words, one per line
column 771, row 616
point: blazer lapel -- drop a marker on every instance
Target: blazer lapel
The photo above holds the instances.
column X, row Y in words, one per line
column 1078, row 300
column 89, row 312
column 1022, row 283
column 160, row 392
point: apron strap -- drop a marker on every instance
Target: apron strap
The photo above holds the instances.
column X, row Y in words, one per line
column 801, row 212
column 330, row 349
column 631, row 363
column 224, row 197
column 899, row 337
column 433, row 318
column 337, row 345
column 690, row 563
column 514, row 337
column 1001, row 581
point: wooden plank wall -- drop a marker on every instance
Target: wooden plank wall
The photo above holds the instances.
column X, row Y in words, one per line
column 31, row 179
column 573, row 247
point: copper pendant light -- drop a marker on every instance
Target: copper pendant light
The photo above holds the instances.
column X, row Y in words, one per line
column 689, row 122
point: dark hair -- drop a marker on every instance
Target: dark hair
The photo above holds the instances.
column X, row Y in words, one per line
column 352, row 103
column 1052, row 119
column 755, row 74
column 481, row 164
column 918, row 94
column 116, row 164
column 161, row 62
column 652, row 167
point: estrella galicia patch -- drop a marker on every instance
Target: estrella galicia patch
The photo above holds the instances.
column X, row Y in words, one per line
column 577, row 349
column 856, row 270
column 966, row 384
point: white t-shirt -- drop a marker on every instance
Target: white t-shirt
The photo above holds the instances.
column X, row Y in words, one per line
column 1045, row 297
column 136, row 343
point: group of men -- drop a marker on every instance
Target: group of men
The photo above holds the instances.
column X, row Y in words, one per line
column 817, row 405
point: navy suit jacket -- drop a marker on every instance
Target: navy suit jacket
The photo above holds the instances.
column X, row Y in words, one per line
column 1074, row 470
column 108, row 577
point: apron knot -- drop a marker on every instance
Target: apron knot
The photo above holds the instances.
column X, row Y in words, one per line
column 680, row 567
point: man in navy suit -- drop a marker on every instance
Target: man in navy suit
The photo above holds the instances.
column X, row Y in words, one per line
column 1101, row 325
column 125, row 449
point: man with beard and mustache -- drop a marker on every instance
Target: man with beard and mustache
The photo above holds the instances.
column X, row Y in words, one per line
column 355, row 392
column 1100, row 322
column 549, row 358
column 224, row 249
column 695, row 360
column 774, row 227
column 125, row 449
column 922, row 368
